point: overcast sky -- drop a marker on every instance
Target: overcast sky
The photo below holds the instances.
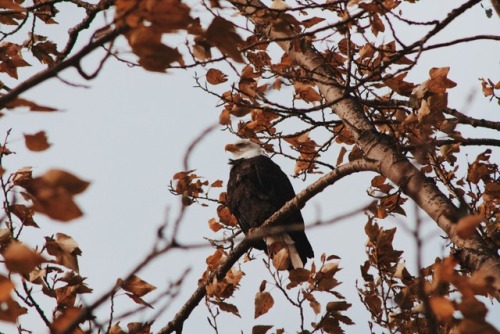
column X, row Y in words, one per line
column 127, row 135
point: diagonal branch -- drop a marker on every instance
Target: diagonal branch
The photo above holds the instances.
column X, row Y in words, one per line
column 51, row 72
column 296, row 203
column 378, row 147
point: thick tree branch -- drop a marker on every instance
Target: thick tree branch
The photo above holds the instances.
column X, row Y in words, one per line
column 296, row 203
column 56, row 69
column 378, row 147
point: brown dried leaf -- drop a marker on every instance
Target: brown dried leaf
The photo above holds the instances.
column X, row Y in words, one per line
column 215, row 76
column 36, row 142
column 466, row 226
column 6, row 287
column 11, row 310
column 263, row 303
column 216, row 184
column 66, row 319
column 65, row 249
column 116, row 329
column 342, row 153
column 281, row 259
column 24, row 214
column 168, row 15
column 136, row 286
column 225, row 117
column 59, row 178
column 312, row 21
column 21, row 259
column 261, row 329
column 442, row 307
column 226, row 307
column 32, row 106
column 139, row 327
column 214, row 225
column 222, row 34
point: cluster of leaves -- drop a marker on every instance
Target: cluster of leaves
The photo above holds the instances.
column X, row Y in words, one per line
column 51, row 267
column 308, row 285
column 428, row 303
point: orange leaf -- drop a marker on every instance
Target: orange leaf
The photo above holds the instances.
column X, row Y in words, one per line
column 6, row 287
column 21, row 259
column 466, row 226
column 37, row 142
column 11, row 310
column 66, row 319
column 442, row 308
column 263, row 303
column 214, row 225
column 215, row 77
column 65, row 249
column 32, row 106
column 136, row 286
column 312, row 21
column 68, row 181
column 222, row 34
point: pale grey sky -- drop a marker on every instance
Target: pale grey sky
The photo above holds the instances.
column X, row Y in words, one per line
column 127, row 135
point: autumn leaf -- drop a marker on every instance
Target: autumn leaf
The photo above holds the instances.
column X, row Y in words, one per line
column 6, row 287
column 281, row 259
column 222, row 34
column 65, row 249
column 263, row 303
column 215, row 76
column 226, row 307
column 21, row 259
column 136, row 286
column 59, row 178
column 214, row 225
column 66, row 319
column 466, row 226
column 24, row 214
column 32, row 106
column 312, row 21
column 36, row 142
column 11, row 310
column 168, row 15
column 261, row 329
column 442, row 308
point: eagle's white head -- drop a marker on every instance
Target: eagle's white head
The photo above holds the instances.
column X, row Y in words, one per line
column 244, row 149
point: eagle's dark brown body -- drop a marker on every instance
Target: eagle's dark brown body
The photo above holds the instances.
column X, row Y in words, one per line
column 257, row 188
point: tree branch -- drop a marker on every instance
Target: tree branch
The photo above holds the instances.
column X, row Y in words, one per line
column 297, row 202
column 56, row 69
column 381, row 148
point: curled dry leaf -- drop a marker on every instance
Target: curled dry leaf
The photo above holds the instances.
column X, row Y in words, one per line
column 214, row 225
column 21, row 259
column 466, row 226
column 222, row 34
column 136, row 286
column 6, row 287
column 66, row 319
column 37, row 142
column 52, row 194
column 32, row 106
column 65, row 249
column 263, row 303
column 11, row 310
column 443, row 308
column 261, row 329
column 226, row 307
column 215, row 76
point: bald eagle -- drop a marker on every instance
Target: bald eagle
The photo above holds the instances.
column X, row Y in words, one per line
column 256, row 189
